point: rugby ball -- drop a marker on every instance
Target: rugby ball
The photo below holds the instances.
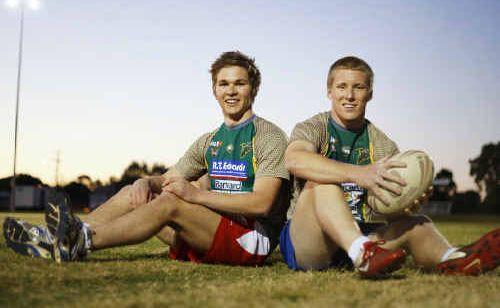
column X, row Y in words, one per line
column 418, row 174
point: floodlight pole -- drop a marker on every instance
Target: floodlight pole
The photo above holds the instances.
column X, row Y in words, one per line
column 19, row 66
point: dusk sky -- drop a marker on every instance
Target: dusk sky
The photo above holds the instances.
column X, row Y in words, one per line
column 108, row 82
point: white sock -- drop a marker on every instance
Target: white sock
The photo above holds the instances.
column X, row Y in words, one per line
column 357, row 247
column 450, row 254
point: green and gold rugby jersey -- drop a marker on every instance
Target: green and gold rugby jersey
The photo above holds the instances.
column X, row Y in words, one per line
column 352, row 148
column 233, row 157
column 335, row 142
column 230, row 161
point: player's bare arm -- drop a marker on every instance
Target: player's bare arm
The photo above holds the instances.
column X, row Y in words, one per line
column 302, row 160
column 143, row 190
column 256, row 203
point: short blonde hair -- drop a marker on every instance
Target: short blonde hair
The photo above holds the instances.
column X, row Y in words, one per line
column 350, row 63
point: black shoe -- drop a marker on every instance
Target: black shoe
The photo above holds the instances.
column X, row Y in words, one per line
column 27, row 239
column 67, row 230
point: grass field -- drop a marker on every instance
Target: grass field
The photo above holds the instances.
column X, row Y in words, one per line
column 141, row 275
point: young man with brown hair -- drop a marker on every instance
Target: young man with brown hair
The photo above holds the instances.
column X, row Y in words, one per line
column 340, row 156
column 235, row 220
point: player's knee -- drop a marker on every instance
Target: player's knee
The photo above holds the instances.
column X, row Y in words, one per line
column 168, row 205
column 124, row 191
column 311, row 185
column 419, row 224
column 325, row 189
column 122, row 196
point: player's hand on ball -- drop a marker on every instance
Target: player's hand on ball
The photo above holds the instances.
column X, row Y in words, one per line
column 418, row 174
column 140, row 193
column 376, row 177
column 181, row 188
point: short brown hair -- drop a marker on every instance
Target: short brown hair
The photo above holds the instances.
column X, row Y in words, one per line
column 351, row 63
column 237, row 58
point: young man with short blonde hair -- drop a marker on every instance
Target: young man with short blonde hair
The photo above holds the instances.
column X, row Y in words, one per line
column 338, row 156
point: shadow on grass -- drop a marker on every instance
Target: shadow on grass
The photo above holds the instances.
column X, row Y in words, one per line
column 388, row 277
column 127, row 258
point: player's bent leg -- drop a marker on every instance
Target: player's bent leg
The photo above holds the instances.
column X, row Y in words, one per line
column 167, row 235
column 322, row 222
column 418, row 235
column 334, row 215
column 194, row 224
column 138, row 225
column 117, row 206
column 336, row 220
column 313, row 249
column 73, row 238
column 202, row 235
column 213, row 238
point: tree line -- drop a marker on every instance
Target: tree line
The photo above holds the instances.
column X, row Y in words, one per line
column 80, row 189
column 485, row 169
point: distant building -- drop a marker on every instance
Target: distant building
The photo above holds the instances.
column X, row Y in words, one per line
column 436, row 208
column 28, row 197
column 440, row 202
column 4, row 200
